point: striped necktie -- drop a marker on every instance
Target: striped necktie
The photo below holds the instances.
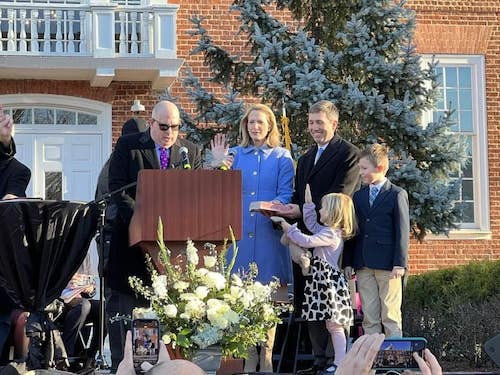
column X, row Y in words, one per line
column 373, row 194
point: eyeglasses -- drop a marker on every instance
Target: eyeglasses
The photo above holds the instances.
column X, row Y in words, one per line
column 165, row 127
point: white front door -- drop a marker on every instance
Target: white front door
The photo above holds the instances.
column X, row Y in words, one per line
column 63, row 166
column 64, row 141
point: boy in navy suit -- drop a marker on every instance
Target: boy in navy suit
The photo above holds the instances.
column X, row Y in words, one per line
column 379, row 253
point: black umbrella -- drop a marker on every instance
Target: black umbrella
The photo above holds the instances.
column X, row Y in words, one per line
column 42, row 244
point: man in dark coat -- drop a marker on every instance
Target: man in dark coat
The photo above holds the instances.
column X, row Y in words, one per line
column 14, row 179
column 157, row 148
column 329, row 166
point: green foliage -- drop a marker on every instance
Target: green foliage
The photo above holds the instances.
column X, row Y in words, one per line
column 358, row 54
column 456, row 310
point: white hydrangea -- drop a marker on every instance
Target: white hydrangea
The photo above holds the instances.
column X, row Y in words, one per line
column 201, row 292
column 220, row 315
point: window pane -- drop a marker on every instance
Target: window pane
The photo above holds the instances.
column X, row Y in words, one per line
column 467, row 212
column 464, row 77
column 439, row 78
column 22, row 116
column 86, row 119
column 44, row 116
column 466, row 99
column 467, row 170
column 451, row 99
column 467, row 190
column 466, row 121
column 65, row 117
column 451, row 77
column 53, row 186
column 468, row 141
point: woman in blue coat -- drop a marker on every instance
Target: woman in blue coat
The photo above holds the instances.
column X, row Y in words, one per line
column 267, row 175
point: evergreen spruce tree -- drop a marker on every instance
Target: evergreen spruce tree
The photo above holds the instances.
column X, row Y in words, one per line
column 367, row 65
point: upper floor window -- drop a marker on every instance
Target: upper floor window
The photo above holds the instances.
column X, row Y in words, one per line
column 461, row 85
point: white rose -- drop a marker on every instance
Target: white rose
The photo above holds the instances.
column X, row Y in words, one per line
column 214, row 280
column 209, row 261
column 170, row 311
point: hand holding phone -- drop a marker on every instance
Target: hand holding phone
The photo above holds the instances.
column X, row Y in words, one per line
column 145, row 341
column 397, row 354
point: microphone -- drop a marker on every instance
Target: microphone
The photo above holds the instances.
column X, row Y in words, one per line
column 224, row 167
column 183, row 152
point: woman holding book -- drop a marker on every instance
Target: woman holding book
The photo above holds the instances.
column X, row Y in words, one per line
column 267, row 175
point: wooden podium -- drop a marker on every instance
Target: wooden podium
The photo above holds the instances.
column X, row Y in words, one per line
column 197, row 204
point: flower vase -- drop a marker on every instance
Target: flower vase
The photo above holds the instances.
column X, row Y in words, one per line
column 230, row 366
column 209, row 359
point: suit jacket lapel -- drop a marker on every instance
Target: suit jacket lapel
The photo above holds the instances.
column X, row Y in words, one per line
column 175, row 158
column 149, row 151
column 382, row 194
column 328, row 153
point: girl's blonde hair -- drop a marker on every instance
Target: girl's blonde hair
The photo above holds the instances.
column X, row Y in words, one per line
column 273, row 138
column 341, row 213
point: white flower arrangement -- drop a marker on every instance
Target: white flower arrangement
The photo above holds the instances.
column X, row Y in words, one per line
column 203, row 305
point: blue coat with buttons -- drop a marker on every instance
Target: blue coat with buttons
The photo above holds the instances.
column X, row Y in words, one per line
column 267, row 174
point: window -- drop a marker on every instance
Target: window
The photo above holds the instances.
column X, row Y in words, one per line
column 50, row 116
column 461, row 83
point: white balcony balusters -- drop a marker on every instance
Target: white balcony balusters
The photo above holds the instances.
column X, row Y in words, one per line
column 103, row 29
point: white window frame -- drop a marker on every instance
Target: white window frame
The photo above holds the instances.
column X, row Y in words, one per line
column 481, row 228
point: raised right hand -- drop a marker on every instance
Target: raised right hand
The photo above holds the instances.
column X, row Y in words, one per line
column 307, row 194
column 219, row 148
column 6, row 127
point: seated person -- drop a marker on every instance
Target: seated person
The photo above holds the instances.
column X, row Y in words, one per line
column 79, row 309
column 12, row 324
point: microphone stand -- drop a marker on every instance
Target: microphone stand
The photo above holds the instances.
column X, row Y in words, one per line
column 102, row 204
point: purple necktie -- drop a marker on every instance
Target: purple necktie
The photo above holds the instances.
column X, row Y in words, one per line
column 164, row 158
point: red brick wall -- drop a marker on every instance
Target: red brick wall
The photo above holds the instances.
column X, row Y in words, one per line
column 443, row 26
column 464, row 27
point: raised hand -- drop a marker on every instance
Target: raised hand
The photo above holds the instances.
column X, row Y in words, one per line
column 307, row 194
column 6, row 127
column 218, row 148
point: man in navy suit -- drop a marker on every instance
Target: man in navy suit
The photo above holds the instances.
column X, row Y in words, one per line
column 379, row 253
column 330, row 166
column 156, row 148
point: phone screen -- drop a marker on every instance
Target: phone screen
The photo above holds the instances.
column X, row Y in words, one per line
column 398, row 353
column 145, row 341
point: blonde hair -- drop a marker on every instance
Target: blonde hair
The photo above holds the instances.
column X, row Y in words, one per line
column 273, row 138
column 341, row 213
column 377, row 154
column 327, row 107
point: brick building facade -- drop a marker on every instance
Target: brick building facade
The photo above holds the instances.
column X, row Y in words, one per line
column 448, row 28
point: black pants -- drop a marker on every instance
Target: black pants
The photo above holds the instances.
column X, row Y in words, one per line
column 78, row 312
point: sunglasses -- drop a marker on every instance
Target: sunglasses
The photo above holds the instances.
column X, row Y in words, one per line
column 165, row 127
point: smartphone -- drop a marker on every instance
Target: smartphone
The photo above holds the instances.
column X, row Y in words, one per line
column 397, row 354
column 145, row 341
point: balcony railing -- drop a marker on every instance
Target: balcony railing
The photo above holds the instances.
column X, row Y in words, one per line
column 67, row 27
